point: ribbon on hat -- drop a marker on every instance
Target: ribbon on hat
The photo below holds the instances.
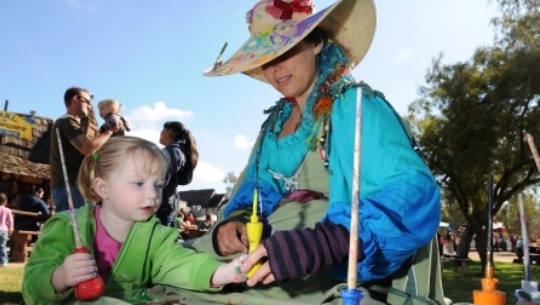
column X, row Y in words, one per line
column 288, row 8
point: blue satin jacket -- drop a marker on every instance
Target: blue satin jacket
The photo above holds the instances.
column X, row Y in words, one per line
column 399, row 197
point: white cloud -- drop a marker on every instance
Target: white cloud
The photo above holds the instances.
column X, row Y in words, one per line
column 144, row 117
column 243, row 142
column 206, row 172
column 147, row 122
column 404, row 55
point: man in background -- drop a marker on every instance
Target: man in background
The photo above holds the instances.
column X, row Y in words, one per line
column 75, row 144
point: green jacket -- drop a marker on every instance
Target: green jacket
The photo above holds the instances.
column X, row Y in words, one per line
column 149, row 256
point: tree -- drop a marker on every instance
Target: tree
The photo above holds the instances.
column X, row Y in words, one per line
column 472, row 117
column 230, row 180
column 509, row 215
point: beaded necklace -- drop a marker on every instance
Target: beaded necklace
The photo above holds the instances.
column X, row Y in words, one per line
column 321, row 111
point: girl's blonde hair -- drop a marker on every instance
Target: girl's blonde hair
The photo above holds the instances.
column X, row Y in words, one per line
column 109, row 104
column 112, row 156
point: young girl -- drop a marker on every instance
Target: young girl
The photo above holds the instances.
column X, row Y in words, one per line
column 109, row 110
column 6, row 227
column 130, row 250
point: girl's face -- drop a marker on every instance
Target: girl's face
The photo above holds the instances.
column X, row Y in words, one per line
column 105, row 109
column 293, row 74
column 131, row 194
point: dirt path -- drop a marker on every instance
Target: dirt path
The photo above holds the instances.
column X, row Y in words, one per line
column 505, row 257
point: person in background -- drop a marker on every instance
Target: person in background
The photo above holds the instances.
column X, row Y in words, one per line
column 181, row 151
column 32, row 202
column 181, row 224
column 207, row 224
column 519, row 249
column 109, row 110
column 191, row 218
column 302, row 162
column 129, row 249
column 75, row 144
column 6, row 227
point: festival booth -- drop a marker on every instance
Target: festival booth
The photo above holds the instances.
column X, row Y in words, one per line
column 24, row 152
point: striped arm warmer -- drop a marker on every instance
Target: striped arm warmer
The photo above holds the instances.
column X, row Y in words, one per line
column 297, row 253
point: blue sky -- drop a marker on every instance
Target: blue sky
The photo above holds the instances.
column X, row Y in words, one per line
column 149, row 55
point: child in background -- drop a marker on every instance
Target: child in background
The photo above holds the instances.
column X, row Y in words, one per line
column 129, row 248
column 6, row 227
column 109, row 110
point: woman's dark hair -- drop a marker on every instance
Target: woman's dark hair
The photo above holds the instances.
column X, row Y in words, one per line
column 316, row 35
column 182, row 133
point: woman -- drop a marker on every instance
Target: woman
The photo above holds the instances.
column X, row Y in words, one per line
column 181, row 151
column 303, row 159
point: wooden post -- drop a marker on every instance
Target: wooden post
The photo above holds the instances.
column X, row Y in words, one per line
column 6, row 105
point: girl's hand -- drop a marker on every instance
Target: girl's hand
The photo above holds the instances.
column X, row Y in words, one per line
column 264, row 274
column 77, row 268
column 229, row 273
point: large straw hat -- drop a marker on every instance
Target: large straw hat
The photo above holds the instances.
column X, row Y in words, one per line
column 278, row 25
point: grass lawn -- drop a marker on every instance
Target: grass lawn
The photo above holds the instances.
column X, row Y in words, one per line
column 457, row 285
column 10, row 284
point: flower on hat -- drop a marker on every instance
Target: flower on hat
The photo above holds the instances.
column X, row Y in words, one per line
column 284, row 10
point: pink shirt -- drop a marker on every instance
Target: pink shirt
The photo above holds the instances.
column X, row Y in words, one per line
column 6, row 219
column 106, row 248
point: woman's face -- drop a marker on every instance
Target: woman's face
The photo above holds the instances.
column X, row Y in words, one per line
column 166, row 136
column 293, row 74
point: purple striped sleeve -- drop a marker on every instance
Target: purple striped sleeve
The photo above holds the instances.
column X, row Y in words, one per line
column 297, row 253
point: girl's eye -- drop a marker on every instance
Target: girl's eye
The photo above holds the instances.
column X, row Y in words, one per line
column 159, row 186
column 139, row 183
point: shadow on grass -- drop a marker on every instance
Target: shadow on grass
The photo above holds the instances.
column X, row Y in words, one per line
column 11, row 298
column 459, row 286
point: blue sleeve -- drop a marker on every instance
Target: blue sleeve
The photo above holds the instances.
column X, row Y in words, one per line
column 42, row 207
column 399, row 198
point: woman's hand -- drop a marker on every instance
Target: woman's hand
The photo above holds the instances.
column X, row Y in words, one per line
column 232, row 238
column 77, row 268
column 229, row 273
column 264, row 274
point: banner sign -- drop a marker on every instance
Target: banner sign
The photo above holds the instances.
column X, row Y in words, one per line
column 15, row 126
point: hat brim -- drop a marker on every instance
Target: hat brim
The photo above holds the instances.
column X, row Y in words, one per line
column 352, row 23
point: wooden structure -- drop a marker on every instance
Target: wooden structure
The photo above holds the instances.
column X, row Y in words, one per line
column 25, row 162
column 22, row 241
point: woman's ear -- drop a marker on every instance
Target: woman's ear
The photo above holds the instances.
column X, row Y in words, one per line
column 101, row 188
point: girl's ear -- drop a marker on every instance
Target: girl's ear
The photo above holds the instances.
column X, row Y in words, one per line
column 101, row 188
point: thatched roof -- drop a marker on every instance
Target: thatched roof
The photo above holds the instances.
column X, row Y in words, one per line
column 19, row 166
